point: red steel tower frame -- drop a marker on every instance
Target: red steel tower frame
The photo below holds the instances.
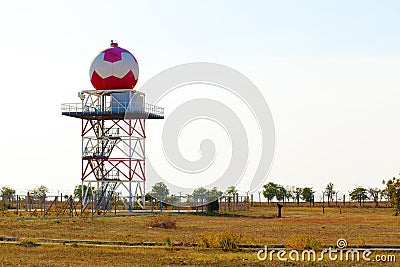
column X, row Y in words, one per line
column 113, row 145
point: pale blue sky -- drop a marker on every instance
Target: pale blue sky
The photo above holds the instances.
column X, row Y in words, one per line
column 328, row 69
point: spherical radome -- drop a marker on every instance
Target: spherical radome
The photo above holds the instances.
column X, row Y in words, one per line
column 114, row 68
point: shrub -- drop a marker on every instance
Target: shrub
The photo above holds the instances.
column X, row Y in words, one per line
column 168, row 242
column 28, row 244
column 159, row 223
column 300, row 242
column 208, row 240
column 229, row 241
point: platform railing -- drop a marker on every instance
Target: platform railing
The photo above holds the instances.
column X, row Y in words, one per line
column 149, row 108
column 71, row 107
column 77, row 108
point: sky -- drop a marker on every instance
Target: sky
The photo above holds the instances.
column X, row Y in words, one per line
column 329, row 71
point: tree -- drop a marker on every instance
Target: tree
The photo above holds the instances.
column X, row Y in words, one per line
column 214, row 193
column 374, row 194
column 199, row 192
column 231, row 191
column 392, row 193
column 147, row 197
column 290, row 193
column 173, row 199
column 329, row 192
column 211, row 197
column 78, row 191
column 159, row 190
column 269, row 191
column 200, row 195
column 40, row 191
column 189, row 198
column 6, row 191
column 359, row 194
column 307, row 194
column 297, row 194
column 280, row 193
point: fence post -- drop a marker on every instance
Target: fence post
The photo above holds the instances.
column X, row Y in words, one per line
column 115, row 205
column 91, row 201
column 17, row 203
column 336, row 198
column 44, row 205
column 237, row 200
column 225, row 204
column 279, row 210
column 55, row 205
column 70, row 206
column 179, row 207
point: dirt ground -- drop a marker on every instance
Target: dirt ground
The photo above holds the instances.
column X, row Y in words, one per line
column 129, row 241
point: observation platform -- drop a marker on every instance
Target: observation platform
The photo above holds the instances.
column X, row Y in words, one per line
column 76, row 110
column 112, row 104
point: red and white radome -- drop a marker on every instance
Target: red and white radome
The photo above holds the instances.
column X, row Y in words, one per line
column 114, row 68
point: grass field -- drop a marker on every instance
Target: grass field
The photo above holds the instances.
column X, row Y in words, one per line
column 128, row 241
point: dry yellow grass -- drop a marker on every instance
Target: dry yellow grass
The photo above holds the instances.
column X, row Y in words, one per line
column 372, row 226
column 359, row 226
column 67, row 255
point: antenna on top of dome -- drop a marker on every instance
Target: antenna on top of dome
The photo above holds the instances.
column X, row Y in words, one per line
column 114, row 43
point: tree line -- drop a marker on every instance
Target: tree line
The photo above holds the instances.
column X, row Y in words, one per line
column 359, row 194
column 270, row 191
column 37, row 192
column 161, row 192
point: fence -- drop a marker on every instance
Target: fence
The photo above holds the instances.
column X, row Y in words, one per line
column 234, row 203
column 58, row 206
